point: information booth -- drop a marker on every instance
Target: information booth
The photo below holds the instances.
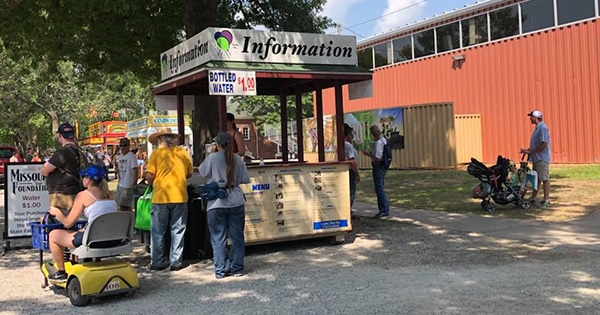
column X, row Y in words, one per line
column 288, row 199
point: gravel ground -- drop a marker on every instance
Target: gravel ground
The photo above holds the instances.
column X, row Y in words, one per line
column 385, row 267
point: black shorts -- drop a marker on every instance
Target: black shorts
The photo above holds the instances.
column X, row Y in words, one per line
column 78, row 239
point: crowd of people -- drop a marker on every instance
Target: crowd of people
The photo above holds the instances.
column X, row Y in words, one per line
column 77, row 190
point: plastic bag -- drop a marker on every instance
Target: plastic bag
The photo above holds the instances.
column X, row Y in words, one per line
column 143, row 217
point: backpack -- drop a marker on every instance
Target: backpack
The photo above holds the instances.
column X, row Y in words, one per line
column 82, row 158
column 386, row 157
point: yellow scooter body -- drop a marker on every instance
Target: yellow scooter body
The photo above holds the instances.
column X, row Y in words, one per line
column 96, row 279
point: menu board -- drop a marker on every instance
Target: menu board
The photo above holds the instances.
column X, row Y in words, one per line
column 304, row 200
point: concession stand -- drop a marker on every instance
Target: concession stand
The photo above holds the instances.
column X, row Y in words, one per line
column 105, row 134
column 286, row 199
column 139, row 129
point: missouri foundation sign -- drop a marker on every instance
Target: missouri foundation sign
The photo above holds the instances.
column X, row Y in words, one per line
column 250, row 46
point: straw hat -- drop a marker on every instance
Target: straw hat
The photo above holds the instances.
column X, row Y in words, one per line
column 161, row 131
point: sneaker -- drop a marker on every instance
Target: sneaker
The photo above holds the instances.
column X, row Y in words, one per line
column 158, row 268
column 544, row 204
column 59, row 276
column 178, row 267
column 381, row 215
column 531, row 201
column 231, row 274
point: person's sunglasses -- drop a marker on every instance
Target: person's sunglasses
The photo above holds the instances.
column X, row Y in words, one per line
column 123, row 145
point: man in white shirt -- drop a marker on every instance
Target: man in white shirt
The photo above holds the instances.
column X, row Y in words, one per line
column 127, row 175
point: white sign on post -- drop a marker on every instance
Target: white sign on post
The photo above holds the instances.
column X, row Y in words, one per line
column 25, row 198
column 231, row 82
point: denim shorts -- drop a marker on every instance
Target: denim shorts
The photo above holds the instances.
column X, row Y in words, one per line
column 78, row 239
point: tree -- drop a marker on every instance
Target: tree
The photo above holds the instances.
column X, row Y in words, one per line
column 115, row 36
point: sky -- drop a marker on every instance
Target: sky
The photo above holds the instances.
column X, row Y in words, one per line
column 367, row 18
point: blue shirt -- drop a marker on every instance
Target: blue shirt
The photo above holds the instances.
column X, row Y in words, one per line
column 540, row 135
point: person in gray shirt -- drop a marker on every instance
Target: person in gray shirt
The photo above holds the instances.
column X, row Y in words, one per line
column 226, row 216
column 539, row 154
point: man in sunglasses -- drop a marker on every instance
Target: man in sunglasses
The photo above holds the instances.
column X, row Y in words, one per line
column 127, row 173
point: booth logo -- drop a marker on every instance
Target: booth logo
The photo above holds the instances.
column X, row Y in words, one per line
column 164, row 63
column 224, row 40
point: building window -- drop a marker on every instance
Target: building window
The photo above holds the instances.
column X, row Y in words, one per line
column 574, row 10
column 504, row 22
column 537, row 15
column 448, row 37
column 365, row 58
column 474, row 30
column 424, row 43
column 383, row 54
column 246, row 133
column 402, row 49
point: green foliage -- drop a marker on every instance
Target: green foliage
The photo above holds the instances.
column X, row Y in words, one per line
column 266, row 109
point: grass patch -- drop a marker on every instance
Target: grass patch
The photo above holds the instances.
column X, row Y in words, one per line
column 572, row 192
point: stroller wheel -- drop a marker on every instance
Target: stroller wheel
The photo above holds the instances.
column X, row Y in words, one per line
column 525, row 204
column 485, row 204
column 490, row 208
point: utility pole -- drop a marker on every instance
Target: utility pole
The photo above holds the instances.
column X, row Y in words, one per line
column 339, row 28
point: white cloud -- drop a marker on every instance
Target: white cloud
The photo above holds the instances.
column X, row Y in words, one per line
column 337, row 10
column 401, row 12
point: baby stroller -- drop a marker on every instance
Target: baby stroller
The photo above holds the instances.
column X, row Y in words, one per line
column 494, row 185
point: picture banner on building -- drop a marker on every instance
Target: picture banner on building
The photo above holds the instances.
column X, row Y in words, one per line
column 389, row 120
column 311, row 140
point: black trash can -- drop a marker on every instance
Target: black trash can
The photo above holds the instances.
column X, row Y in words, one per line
column 196, row 237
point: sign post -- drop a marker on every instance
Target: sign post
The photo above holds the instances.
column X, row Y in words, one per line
column 26, row 199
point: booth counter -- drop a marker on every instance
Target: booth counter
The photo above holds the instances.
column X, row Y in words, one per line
column 283, row 202
column 297, row 200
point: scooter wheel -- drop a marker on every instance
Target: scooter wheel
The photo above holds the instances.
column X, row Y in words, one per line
column 74, row 291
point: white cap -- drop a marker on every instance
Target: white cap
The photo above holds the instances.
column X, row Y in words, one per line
column 536, row 113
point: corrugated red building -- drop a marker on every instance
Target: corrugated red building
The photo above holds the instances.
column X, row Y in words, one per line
column 498, row 59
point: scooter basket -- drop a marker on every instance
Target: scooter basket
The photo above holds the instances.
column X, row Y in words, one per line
column 40, row 232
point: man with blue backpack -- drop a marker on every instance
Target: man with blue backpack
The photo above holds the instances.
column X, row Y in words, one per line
column 381, row 158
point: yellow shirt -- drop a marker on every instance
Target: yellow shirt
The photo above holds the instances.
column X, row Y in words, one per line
column 171, row 168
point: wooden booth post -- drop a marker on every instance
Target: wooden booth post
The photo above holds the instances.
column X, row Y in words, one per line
column 284, row 127
column 299, row 134
column 339, row 121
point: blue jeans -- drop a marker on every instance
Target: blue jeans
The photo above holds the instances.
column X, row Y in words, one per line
column 378, row 180
column 221, row 222
column 167, row 217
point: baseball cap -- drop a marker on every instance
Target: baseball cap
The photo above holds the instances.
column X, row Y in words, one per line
column 124, row 141
column 66, row 130
column 93, row 172
column 536, row 113
column 223, row 138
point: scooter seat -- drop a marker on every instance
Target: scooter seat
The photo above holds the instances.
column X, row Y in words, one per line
column 108, row 235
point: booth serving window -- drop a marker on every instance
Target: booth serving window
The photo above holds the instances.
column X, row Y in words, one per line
column 474, row 30
column 537, row 15
column 573, row 10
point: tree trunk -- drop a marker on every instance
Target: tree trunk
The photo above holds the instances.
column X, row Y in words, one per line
column 198, row 15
